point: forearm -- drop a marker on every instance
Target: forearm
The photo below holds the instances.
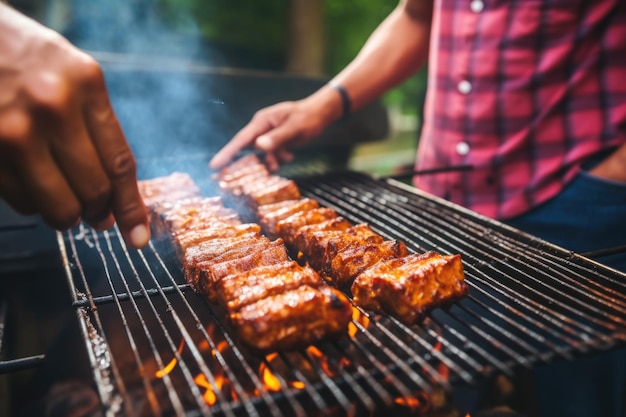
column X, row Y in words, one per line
column 393, row 52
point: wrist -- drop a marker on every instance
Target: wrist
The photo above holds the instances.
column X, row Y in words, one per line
column 346, row 101
column 328, row 104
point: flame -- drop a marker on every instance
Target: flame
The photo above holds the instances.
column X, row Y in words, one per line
column 359, row 318
column 209, row 395
column 172, row 364
column 269, row 379
column 297, row 384
column 410, row 402
column 315, row 352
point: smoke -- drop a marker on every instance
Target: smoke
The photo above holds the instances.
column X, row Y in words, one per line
column 162, row 82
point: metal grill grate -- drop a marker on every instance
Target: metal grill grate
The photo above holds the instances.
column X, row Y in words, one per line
column 528, row 301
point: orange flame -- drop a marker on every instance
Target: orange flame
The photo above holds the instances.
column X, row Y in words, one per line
column 269, row 379
column 209, row 395
column 410, row 402
column 172, row 364
column 359, row 318
column 315, row 352
column 417, row 403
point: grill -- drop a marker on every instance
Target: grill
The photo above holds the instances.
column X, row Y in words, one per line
column 156, row 348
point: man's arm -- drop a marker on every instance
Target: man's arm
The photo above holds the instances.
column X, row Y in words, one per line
column 394, row 51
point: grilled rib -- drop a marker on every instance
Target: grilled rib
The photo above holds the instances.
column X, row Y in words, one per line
column 407, row 287
column 194, row 237
column 358, row 257
column 272, row 191
column 196, row 257
column 209, row 276
column 293, row 318
column 172, row 187
column 239, row 290
column 238, row 165
column 287, row 228
column 270, row 214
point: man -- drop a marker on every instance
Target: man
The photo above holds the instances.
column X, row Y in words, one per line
column 532, row 95
column 62, row 151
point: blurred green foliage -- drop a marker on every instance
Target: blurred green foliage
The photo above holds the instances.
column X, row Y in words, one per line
column 259, row 28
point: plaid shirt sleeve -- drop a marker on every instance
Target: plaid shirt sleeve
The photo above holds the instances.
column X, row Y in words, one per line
column 525, row 91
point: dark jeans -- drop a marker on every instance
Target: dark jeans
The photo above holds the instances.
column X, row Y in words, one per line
column 590, row 214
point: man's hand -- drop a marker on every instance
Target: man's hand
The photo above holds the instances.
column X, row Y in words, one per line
column 62, row 150
column 284, row 125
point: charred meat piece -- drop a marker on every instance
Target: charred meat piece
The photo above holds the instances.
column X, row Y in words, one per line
column 172, row 187
column 410, row 286
column 287, row 228
column 311, row 240
column 236, row 291
column 179, row 209
column 293, row 319
column 189, row 217
column 356, row 258
column 194, row 237
column 270, row 214
column 361, row 234
column 209, row 276
column 238, row 165
column 197, row 256
column 251, row 171
column 274, row 191
column 236, row 186
column 272, row 207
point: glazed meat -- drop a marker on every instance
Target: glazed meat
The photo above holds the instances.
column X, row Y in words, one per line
column 408, row 287
column 236, row 185
column 266, row 209
column 198, row 256
column 274, row 191
column 293, row 318
column 358, row 257
column 238, row 165
column 287, row 228
column 194, row 237
column 322, row 256
column 249, row 171
column 270, row 214
column 209, row 276
column 167, row 188
column 311, row 240
column 239, row 290
column 194, row 216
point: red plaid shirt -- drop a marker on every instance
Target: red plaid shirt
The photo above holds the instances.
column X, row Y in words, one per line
column 526, row 91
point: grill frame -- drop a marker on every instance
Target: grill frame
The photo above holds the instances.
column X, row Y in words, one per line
column 452, row 346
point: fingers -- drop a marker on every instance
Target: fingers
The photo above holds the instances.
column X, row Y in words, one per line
column 117, row 161
column 79, row 161
column 31, row 181
column 244, row 138
column 44, row 186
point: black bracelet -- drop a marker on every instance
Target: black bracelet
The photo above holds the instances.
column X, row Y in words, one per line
column 346, row 103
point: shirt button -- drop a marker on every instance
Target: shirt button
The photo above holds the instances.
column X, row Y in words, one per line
column 464, row 87
column 477, row 6
column 462, row 148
